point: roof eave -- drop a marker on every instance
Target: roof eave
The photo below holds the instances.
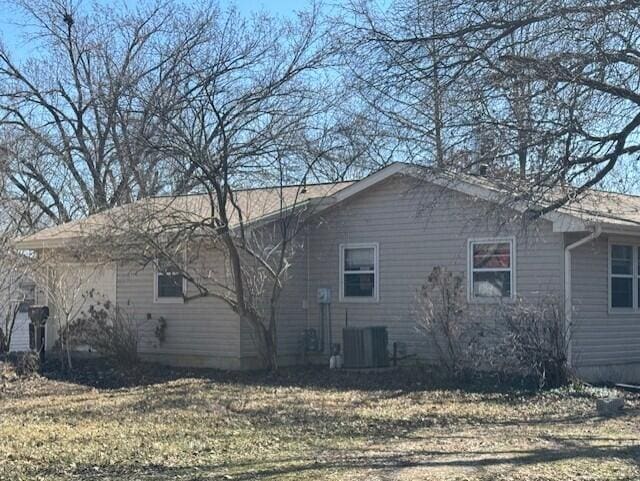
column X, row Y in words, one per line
column 561, row 222
column 620, row 229
column 567, row 223
column 40, row 244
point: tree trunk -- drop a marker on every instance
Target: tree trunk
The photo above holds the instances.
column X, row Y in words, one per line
column 266, row 342
column 4, row 343
column 265, row 336
column 522, row 161
column 438, row 123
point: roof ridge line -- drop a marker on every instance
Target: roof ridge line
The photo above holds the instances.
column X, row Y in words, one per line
column 251, row 189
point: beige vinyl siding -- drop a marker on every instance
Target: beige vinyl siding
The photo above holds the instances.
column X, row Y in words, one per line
column 418, row 227
column 292, row 312
column 600, row 338
column 93, row 283
column 291, row 319
column 200, row 332
column 20, row 334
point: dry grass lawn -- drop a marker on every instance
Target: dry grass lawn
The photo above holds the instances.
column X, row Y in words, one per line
column 307, row 425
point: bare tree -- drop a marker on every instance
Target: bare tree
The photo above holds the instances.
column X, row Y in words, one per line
column 549, row 87
column 220, row 101
column 245, row 265
column 414, row 89
column 589, row 112
column 79, row 111
column 64, row 278
column 250, row 102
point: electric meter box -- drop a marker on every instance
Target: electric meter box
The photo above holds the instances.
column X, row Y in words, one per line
column 324, row 295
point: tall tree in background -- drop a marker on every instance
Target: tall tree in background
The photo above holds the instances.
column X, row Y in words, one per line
column 549, row 84
column 77, row 113
column 410, row 88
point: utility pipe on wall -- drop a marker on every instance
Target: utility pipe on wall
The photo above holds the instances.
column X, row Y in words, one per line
column 568, row 302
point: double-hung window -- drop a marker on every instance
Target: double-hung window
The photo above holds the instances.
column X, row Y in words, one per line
column 491, row 269
column 169, row 281
column 359, row 272
column 623, row 271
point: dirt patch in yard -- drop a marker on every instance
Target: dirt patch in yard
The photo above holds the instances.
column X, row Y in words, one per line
column 306, row 424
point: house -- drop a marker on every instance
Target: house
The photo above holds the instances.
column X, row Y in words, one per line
column 373, row 242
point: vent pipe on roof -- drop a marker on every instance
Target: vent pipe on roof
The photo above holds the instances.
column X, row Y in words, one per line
column 480, row 170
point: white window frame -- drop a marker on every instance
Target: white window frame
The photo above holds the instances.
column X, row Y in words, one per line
column 167, row 300
column 23, row 299
column 376, row 272
column 470, row 269
column 634, row 277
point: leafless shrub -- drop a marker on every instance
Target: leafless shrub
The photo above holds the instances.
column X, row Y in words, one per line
column 8, row 324
column 107, row 329
column 534, row 341
column 440, row 312
column 64, row 278
column 26, row 363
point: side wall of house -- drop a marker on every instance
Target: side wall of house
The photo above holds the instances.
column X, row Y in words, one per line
column 77, row 286
column 201, row 332
column 606, row 345
column 417, row 227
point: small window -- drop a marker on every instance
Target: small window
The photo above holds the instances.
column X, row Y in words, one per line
column 621, row 276
column 169, row 281
column 491, row 269
column 27, row 291
column 359, row 272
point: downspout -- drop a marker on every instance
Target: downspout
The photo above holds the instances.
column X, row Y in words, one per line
column 568, row 302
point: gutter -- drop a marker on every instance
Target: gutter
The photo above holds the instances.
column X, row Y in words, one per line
column 568, row 302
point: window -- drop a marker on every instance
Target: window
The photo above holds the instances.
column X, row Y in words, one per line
column 359, row 272
column 491, row 269
column 27, row 295
column 621, row 274
column 169, row 281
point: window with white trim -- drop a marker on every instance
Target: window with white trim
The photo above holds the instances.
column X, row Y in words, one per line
column 621, row 276
column 491, row 271
column 359, row 272
column 27, row 295
column 169, row 281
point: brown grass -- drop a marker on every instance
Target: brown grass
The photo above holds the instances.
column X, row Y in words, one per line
column 310, row 425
